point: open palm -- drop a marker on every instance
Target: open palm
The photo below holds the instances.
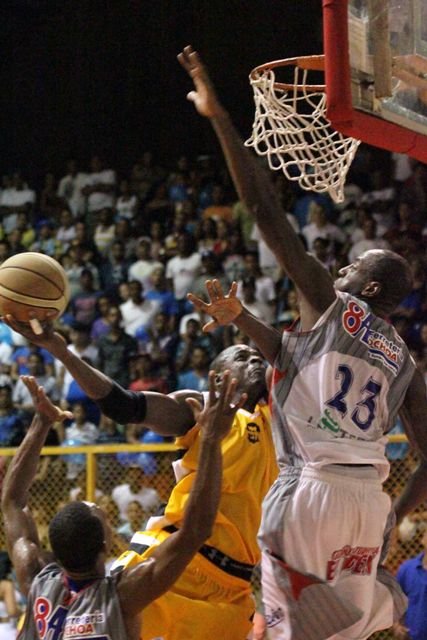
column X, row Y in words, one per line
column 223, row 308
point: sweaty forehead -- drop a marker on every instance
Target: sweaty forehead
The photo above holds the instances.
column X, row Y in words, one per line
column 237, row 351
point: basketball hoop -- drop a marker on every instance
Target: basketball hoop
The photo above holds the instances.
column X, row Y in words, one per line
column 292, row 130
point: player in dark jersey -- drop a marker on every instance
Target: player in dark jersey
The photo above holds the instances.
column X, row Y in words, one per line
column 339, row 380
column 70, row 596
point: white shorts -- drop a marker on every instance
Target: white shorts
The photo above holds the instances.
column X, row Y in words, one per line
column 333, row 532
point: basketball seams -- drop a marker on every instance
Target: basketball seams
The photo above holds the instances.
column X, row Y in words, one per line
column 32, row 283
column 37, row 273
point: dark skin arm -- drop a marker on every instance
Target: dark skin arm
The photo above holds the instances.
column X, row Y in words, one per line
column 414, row 418
column 227, row 308
column 164, row 413
column 21, row 534
column 256, row 190
column 144, row 583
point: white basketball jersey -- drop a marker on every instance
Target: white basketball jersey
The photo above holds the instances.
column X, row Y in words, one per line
column 336, row 389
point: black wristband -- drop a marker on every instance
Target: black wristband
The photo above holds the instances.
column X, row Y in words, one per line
column 123, row 406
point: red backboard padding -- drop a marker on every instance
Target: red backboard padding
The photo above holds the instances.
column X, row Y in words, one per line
column 344, row 118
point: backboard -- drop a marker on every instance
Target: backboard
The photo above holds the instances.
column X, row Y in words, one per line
column 376, row 72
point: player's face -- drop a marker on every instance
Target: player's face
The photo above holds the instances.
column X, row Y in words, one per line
column 247, row 366
column 353, row 278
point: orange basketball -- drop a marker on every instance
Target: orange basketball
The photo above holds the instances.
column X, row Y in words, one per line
column 31, row 285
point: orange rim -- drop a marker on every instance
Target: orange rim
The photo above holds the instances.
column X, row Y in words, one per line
column 309, row 63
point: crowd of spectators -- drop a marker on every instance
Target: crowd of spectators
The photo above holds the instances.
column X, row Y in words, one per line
column 133, row 246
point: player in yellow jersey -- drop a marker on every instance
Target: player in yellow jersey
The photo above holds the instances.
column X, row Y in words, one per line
column 212, row 599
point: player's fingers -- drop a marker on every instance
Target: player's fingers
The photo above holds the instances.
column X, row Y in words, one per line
column 199, row 304
column 241, row 402
column 210, row 326
column 218, row 289
column 233, row 290
column 195, row 406
column 230, row 392
column 212, row 387
column 192, row 96
column 210, row 288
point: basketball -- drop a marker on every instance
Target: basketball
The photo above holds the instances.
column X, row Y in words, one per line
column 31, row 286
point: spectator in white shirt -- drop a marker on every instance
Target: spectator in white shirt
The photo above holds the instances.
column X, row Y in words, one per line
column 70, row 189
column 99, row 187
column 134, row 489
column 144, row 266
column 183, row 269
column 368, row 242
column 15, row 199
column 137, row 312
column 319, row 227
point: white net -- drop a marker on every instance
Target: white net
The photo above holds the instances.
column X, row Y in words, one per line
column 292, row 131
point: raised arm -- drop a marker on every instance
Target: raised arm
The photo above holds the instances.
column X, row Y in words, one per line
column 227, row 309
column 148, row 580
column 414, row 418
column 21, row 533
column 255, row 188
column 167, row 415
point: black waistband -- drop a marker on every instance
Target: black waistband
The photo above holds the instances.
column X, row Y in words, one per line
column 221, row 560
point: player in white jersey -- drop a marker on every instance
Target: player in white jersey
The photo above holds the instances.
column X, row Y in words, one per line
column 339, row 380
column 70, row 596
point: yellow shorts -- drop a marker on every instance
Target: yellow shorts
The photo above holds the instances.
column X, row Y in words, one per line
column 205, row 603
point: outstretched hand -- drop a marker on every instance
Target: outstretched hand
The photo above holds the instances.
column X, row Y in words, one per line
column 216, row 417
column 204, row 97
column 224, row 308
column 48, row 338
column 43, row 406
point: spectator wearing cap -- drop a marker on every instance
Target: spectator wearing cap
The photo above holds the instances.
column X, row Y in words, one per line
column 46, row 241
column 116, row 348
column 21, row 356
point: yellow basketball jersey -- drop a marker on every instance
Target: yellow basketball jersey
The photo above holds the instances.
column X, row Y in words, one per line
column 249, row 469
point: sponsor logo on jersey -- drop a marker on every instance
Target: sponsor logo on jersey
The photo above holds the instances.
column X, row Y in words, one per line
column 357, row 323
column 355, row 560
column 253, row 430
column 328, row 423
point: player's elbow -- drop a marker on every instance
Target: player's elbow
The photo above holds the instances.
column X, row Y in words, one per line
column 198, row 532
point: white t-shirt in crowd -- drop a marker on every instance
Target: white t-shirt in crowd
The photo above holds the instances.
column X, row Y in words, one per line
column 100, row 200
column 148, row 498
column 138, row 315
column 183, row 272
column 70, row 188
